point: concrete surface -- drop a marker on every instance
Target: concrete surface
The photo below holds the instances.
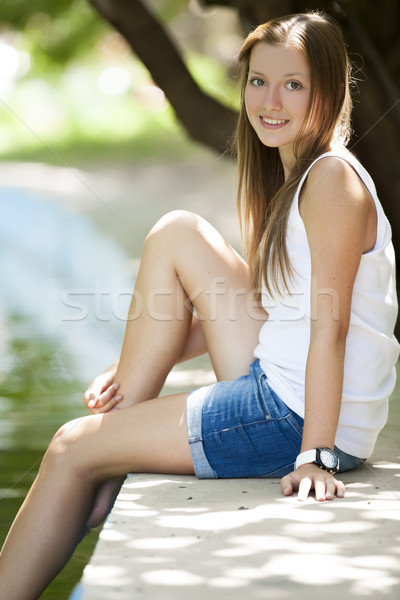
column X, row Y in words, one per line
column 178, row 538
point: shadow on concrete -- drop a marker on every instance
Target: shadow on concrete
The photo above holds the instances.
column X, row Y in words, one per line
column 173, row 537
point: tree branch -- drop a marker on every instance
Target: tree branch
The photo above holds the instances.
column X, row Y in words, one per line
column 151, row 43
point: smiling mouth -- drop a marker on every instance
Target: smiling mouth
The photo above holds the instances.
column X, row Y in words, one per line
column 274, row 121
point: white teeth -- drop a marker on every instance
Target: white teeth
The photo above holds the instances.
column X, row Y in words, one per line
column 274, row 121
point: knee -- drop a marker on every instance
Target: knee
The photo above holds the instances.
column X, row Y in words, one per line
column 174, row 225
column 65, row 447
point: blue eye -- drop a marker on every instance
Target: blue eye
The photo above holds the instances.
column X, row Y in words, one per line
column 257, row 82
column 294, row 85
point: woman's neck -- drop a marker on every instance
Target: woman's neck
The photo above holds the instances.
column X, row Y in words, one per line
column 288, row 160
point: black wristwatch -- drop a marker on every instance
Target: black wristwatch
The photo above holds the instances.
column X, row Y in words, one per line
column 325, row 458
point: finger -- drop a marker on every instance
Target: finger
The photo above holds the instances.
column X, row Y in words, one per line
column 332, row 485
column 304, row 488
column 92, row 401
column 110, row 405
column 104, row 398
column 97, row 387
column 87, row 396
column 104, row 385
column 320, row 487
column 286, row 485
column 340, row 488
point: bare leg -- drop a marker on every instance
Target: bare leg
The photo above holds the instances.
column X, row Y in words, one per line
column 149, row 437
column 186, row 261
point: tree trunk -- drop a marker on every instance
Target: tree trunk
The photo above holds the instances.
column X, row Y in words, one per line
column 203, row 117
column 254, row 12
column 376, row 120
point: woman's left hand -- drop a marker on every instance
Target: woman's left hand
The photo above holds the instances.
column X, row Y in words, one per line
column 311, row 477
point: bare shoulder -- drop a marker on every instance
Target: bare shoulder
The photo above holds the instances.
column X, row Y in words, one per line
column 334, row 195
column 333, row 180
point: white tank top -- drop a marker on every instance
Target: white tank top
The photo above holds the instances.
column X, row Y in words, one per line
column 371, row 348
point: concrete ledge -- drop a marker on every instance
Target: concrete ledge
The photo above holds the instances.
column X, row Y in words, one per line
column 169, row 537
column 175, row 537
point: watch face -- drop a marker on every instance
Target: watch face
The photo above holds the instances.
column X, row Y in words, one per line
column 328, row 458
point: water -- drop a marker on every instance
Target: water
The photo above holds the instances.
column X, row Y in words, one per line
column 37, row 394
column 60, row 324
column 65, row 291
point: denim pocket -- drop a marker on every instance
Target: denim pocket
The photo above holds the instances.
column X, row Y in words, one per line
column 272, row 404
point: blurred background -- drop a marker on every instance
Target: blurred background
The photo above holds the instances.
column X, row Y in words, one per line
column 71, row 84
column 113, row 112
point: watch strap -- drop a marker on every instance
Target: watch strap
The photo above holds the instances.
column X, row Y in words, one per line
column 309, row 456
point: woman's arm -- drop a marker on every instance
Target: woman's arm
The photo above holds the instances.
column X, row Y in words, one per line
column 101, row 395
column 340, row 220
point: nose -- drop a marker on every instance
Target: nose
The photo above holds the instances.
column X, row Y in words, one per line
column 272, row 100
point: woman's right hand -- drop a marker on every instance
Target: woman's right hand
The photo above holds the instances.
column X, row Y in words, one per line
column 101, row 395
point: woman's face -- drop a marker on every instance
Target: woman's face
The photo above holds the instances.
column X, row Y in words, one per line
column 277, row 94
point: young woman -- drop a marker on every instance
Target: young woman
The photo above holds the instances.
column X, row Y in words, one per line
column 304, row 369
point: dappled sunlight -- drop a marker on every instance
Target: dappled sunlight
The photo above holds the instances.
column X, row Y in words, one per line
column 227, row 583
column 107, row 575
column 238, row 535
column 328, row 569
column 110, row 535
column 249, row 545
column 343, row 527
column 135, row 513
column 163, row 543
column 175, row 577
column 14, row 64
column 186, row 510
column 153, row 560
column 114, row 81
column 228, row 520
column 386, row 465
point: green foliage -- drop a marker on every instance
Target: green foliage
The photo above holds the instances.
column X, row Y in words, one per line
column 19, row 12
column 55, row 109
column 168, row 9
column 55, row 33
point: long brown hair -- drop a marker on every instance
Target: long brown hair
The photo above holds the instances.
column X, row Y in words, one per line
column 264, row 197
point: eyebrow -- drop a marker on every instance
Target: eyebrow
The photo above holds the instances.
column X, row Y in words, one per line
column 286, row 75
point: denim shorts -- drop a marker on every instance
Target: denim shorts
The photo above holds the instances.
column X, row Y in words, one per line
column 242, row 428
